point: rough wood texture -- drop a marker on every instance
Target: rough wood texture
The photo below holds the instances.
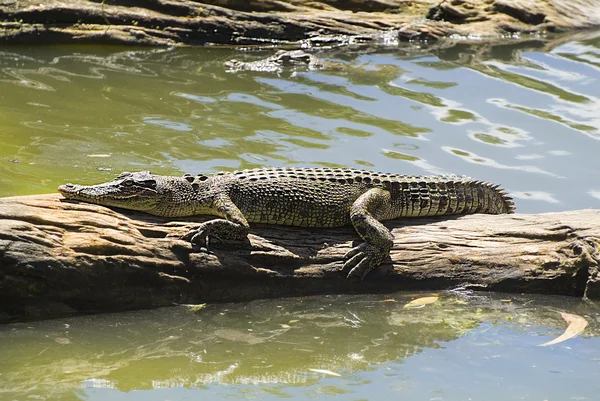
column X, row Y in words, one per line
column 59, row 257
column 171, row 22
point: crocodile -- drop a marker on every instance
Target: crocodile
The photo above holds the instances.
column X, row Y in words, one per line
column 301, row 197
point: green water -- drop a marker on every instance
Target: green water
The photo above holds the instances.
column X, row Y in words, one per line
column 524, row 114
column 509, row 113
column 348, row 347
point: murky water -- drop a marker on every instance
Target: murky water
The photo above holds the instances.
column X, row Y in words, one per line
column 525, row 114
column 357, row 347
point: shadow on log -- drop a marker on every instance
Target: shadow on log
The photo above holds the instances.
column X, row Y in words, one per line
column 59, row 258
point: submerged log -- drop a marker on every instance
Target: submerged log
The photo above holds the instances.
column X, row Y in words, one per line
column 59, row 257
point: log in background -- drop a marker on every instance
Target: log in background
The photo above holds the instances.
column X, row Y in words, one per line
column 320, row 22
column 59, row 257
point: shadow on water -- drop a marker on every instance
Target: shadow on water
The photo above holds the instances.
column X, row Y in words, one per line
column 282, row 345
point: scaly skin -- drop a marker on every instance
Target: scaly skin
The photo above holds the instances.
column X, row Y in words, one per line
column 302, row 197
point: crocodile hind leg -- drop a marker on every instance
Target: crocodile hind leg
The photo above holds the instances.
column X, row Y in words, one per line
column 233, row 228
column 378, row 239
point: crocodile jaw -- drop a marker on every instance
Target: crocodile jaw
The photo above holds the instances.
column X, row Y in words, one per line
column 94, row 193
column 165, row 196
column 107, row 196
column 133, row 191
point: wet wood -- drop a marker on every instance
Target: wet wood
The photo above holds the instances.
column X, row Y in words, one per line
column 59, row 257
column 326, row 22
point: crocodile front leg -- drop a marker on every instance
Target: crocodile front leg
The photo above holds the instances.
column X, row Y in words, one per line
column 378, row 239
column 232, row 230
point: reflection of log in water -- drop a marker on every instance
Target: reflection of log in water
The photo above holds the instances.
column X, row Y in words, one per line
column 277, row 342
column 61, row 257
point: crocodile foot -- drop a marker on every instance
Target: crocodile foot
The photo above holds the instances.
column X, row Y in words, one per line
column 363, row 258
column 217, row 233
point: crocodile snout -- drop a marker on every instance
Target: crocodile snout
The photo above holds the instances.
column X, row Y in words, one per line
column 66, row 188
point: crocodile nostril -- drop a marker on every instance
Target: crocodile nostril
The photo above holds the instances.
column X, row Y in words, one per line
column 66, row 188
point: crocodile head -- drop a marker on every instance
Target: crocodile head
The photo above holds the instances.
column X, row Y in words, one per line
column 141, row 191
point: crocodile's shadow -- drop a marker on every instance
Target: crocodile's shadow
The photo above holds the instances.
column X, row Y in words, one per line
column 283, row 249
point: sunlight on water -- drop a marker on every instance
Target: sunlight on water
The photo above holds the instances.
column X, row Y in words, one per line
column 522, row 113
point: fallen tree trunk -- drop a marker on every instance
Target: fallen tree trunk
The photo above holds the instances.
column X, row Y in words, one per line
column 59, row 257
column 168, row 22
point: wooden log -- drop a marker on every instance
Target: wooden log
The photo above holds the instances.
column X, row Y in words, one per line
column 322, row 23
column 60, row 257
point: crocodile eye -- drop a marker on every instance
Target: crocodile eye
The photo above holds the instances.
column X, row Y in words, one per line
column 128, row 183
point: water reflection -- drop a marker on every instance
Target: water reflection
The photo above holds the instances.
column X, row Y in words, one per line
column 299, row 342
column 523, row 114
column 535, row 195
column 474, row 158
column 520, row 113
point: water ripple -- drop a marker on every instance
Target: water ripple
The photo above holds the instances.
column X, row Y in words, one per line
column 523, row 113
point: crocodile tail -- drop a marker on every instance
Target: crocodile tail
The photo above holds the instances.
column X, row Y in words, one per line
column 507, row 205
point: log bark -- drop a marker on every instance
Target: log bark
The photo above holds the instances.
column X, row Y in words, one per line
column 326, row 22
column 59, row 257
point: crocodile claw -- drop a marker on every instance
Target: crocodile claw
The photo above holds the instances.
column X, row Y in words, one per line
column 217, row 232
column 362, row 259
column 198, row 235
